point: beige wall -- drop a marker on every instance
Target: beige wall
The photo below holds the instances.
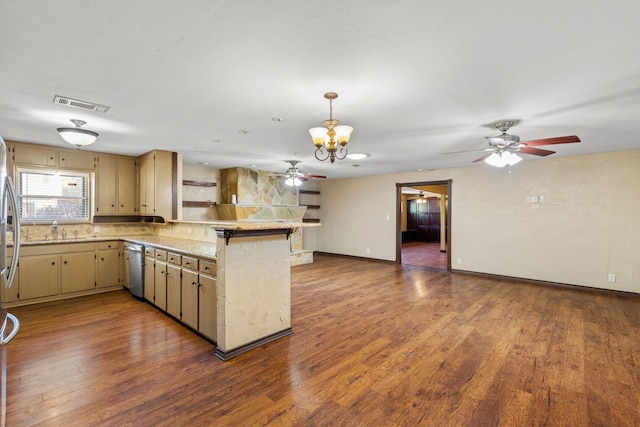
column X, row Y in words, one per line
column 587, row 226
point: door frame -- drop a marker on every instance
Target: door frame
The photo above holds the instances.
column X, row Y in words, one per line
column 399, row 185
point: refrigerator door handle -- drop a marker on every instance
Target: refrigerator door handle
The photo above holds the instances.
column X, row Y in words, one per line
column 14, row 331
column 11, row 274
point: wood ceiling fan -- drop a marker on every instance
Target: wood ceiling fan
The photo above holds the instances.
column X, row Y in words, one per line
column 507, row 143
column 293, row 176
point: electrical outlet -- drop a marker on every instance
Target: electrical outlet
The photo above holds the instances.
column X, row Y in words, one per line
column 611, row 277
column 459, row 261
column 368, row 250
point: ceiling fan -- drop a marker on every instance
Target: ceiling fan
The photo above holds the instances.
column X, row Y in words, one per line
column 295, row 178
column 503, row 148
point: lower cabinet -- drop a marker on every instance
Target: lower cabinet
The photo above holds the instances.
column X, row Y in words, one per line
column 184, row 287
column 60, row 270
column 108, row 264
column 78, row 271
column 39, row 276
column 174, row 297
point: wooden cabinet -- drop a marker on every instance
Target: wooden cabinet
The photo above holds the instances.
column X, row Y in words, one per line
column 149, row 275
column 123, row 264
column 207, row 306
column 77, row 270
column 42, row 155
column 174, row 285
column 190, row 297
column 158, row 184
column 76, row 160
column 29, row 154
column 116, row 186
column 39, row 276
column 160, row 284
column 185, row 287
column 107, row 264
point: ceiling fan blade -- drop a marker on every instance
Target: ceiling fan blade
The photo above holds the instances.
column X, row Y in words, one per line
column 312, row 176
column 483, row 157
column 464, row 151
column 536, row 151
column 551, row 141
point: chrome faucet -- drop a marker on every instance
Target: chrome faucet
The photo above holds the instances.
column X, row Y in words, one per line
column 55, row 230
column 29, row 229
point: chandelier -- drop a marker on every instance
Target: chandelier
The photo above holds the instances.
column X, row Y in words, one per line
column 77, row 136
column 330, row 136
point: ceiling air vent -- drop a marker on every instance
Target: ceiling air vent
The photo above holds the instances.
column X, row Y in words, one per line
column 63, row 100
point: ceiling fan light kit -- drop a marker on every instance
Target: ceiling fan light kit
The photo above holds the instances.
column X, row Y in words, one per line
column 503, row 148
column 77, row 136
column 331, row 135
column 295, row 178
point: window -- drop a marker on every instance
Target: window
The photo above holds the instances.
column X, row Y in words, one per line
column 53, row 195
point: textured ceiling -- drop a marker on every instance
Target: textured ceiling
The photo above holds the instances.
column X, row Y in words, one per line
column 416, row 78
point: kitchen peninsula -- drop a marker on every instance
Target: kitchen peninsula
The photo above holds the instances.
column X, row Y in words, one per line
column 252, row 277
column 238, row 273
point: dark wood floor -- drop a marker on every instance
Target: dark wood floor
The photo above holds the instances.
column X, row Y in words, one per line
column 425, row 254
column 374, row 344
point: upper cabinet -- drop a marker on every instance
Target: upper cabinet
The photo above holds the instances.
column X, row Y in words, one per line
column 116, row 185
column 38, row 155
column 159, row 192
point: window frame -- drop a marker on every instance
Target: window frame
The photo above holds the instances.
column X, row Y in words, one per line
column 89, row 179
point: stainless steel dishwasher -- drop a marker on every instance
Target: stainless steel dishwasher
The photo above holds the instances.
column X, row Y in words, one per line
column 136, row 270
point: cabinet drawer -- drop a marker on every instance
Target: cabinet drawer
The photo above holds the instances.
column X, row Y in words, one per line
column 161, row 255
column 174, row 258
column 188, row 262
column 208, row 267
column 150, row 252
column 107, row 245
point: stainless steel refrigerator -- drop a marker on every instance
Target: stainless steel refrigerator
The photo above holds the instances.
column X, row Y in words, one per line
column 8, row 272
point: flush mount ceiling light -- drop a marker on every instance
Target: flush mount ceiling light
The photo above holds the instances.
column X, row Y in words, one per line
column 76, row 136
column 331, row 135
column 357, row 156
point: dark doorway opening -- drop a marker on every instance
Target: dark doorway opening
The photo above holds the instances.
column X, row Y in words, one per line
column 423, row 228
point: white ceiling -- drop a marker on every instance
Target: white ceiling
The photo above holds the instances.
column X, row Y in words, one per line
column 416, row 78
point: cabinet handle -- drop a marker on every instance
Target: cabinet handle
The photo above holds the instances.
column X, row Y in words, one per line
column 65, row 263
column 193, row 283
column 206, row 268
column 53, row 263
column 101, row 259
column 113, row 206
column 187, row 263
column 122, row 206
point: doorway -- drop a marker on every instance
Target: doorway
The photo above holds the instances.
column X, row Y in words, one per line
column 423, row 228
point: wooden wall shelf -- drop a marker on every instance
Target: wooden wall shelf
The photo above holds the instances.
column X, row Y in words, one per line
column 197, row 204
column 198, row 183
column 308, row 192
column 310, row 206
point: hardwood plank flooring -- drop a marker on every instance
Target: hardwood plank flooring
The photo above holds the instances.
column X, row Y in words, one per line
column 374, row 344
column 425, row 254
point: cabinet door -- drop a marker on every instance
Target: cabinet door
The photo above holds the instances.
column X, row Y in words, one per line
column 78, row 271
column 39, row 276
column 124, row 266
column 76, row 160
column 35, row 156
column 163, row 183
column 161, row 285
column 207, row 306
column 190, row 298
column 173, row 290
column 108, row 268
column 106, row 186
column 127, row 186
column 149, row 278
column 147, row 185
